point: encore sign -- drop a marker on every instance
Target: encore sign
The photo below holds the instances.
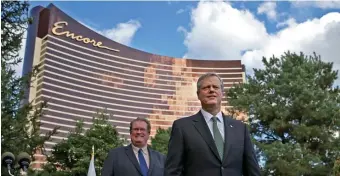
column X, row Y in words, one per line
column 57, row 30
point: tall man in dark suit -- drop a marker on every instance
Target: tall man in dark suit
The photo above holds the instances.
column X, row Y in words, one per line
column 136, row 159
column 209, row 143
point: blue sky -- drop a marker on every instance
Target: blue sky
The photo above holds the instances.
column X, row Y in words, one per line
column 216, row 29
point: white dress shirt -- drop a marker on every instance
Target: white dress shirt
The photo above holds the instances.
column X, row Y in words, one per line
column 145, row 153
column 220, row 123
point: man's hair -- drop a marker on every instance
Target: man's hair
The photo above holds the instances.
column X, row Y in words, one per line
column 206, row 75
column 143, row 120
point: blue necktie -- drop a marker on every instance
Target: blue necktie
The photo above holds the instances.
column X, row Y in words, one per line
column 142, row 163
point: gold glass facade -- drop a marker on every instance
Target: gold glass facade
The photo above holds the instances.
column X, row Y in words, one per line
column 83, row 72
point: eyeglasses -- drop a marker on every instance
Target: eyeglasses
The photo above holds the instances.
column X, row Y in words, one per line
column 139, row 129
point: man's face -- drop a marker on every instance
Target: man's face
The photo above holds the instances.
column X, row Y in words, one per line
column 210, row 92
column 139, row 134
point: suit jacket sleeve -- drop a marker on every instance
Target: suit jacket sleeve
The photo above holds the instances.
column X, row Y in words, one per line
column 107, row 169
column 250, row 163
column 174, row 160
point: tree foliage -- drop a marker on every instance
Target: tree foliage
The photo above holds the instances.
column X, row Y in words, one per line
column 294, row 111
column 161, row 140
column 72, row 156
column 19, row 122
column 336, row 168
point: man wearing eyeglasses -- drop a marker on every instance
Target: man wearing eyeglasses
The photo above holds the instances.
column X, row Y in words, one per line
column 136, row 159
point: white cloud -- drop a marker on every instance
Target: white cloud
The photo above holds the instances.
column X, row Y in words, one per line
column 187, row 8
column 180, row 11
column 268, row 8
column 220, row 31
column 182, row 29
column 318, row 4
column 288, row 23
column 123, row 32
column 319, row 35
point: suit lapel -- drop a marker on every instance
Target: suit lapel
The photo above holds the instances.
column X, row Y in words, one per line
column 152, row 161
column 202, row 127
column 227, row 137
column 131, row 155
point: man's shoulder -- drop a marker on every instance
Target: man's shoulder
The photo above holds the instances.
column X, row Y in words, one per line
column 187, row 119
column 157, row 153
column 234, row 122
column 231, row 119
column 118, row 149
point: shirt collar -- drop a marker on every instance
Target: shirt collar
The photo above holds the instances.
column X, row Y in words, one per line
column 207, row 116
column 136, row 149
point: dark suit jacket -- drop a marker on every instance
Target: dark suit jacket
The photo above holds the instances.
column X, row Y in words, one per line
column 192, row 150
column 123, row 162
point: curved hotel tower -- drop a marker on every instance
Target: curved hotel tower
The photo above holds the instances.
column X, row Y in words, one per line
column 83, row 72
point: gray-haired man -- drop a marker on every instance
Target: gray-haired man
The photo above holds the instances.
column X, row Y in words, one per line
column 210, row 143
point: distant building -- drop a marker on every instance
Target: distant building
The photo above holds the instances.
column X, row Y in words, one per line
column 83, row 72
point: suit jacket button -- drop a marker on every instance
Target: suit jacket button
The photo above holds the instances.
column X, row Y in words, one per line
column 222, row 168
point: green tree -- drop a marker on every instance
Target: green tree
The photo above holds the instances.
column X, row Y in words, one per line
column 19, row 122
column 161, row 140
column 336, row 168
column 73, row 155
column 294, row 111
